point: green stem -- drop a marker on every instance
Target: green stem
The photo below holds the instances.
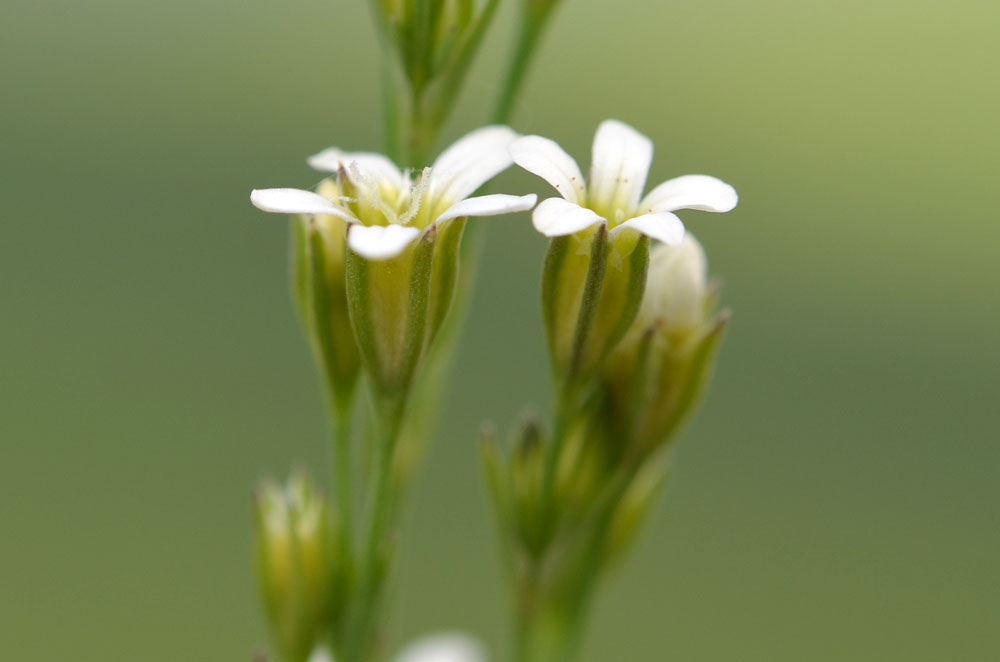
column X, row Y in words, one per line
column 363, row 621
column 420, row 132
column 390, row 109
column 546, row 630
column 533, row 25
column 380, row 487
column 565, row 409
column 340, row 413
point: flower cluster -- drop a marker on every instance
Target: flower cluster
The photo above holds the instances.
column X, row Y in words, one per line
column 632, row 335
column 632, row 331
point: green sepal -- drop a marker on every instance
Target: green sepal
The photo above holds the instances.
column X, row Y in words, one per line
column 329, row 320
column 623, row 294
column 590, row 301
column 319, row 293
column 388, row 302
column 444, row 279
column 553, row 306
column 296, row 563
column 634, row 507
column 694, row 379
column 496, row 483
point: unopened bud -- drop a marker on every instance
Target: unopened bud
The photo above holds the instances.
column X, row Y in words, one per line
column 320, row 292
column 658, row 373
column 676, row 290
column 295, row 563
column 635, row 506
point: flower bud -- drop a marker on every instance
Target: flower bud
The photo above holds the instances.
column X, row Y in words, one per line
column 677, row 290
column 527, row 465
column 426, row 35
column 662, row 366
column 592, row 285
column 516, row 483
column 295, row 563
column 320, row 292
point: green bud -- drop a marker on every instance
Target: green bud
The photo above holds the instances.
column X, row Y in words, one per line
column 634, row 507
column 527, row 466
column 494, row 469
column 444, row 274
column 295, row 563
column 582, row 467
column 660, row 370
column 426, row 33
column 320, row 293
column 592, row 285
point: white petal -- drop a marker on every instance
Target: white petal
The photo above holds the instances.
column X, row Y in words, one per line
column 321, row 655
column 619, row 165
column 676, row 286
column 545, row 158
column 556, row 217
column 489, row 205
column 295, row 201
column 443, row 648
column 471, row 162
column 374, row 165
column 663, row 226
column 690, row 192
column 380, row 242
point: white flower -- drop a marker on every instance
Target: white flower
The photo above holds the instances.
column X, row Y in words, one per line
column 387, row 209
column 445, row 647
column 619, row 166
column 451, row 647
column 677, row 288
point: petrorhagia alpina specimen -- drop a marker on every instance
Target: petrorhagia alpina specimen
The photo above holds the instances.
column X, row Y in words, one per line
column 632, row 336
column 380, row 278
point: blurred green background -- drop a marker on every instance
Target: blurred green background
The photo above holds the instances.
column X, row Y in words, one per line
column 836, row 499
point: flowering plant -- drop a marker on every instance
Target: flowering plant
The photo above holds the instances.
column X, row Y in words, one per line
column 380, row 278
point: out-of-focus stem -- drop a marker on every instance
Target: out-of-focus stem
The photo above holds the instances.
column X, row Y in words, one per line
column 545, row 629
column 364, row 614
column 533, row 22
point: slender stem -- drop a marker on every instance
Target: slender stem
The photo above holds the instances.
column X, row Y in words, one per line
column 340, row 414
column 380, row 488
column 564, row 412
column 527, row 42
column 390, row 108
column 363, row 622
column 546, row 629
column 533, row 22
column 421, row 134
